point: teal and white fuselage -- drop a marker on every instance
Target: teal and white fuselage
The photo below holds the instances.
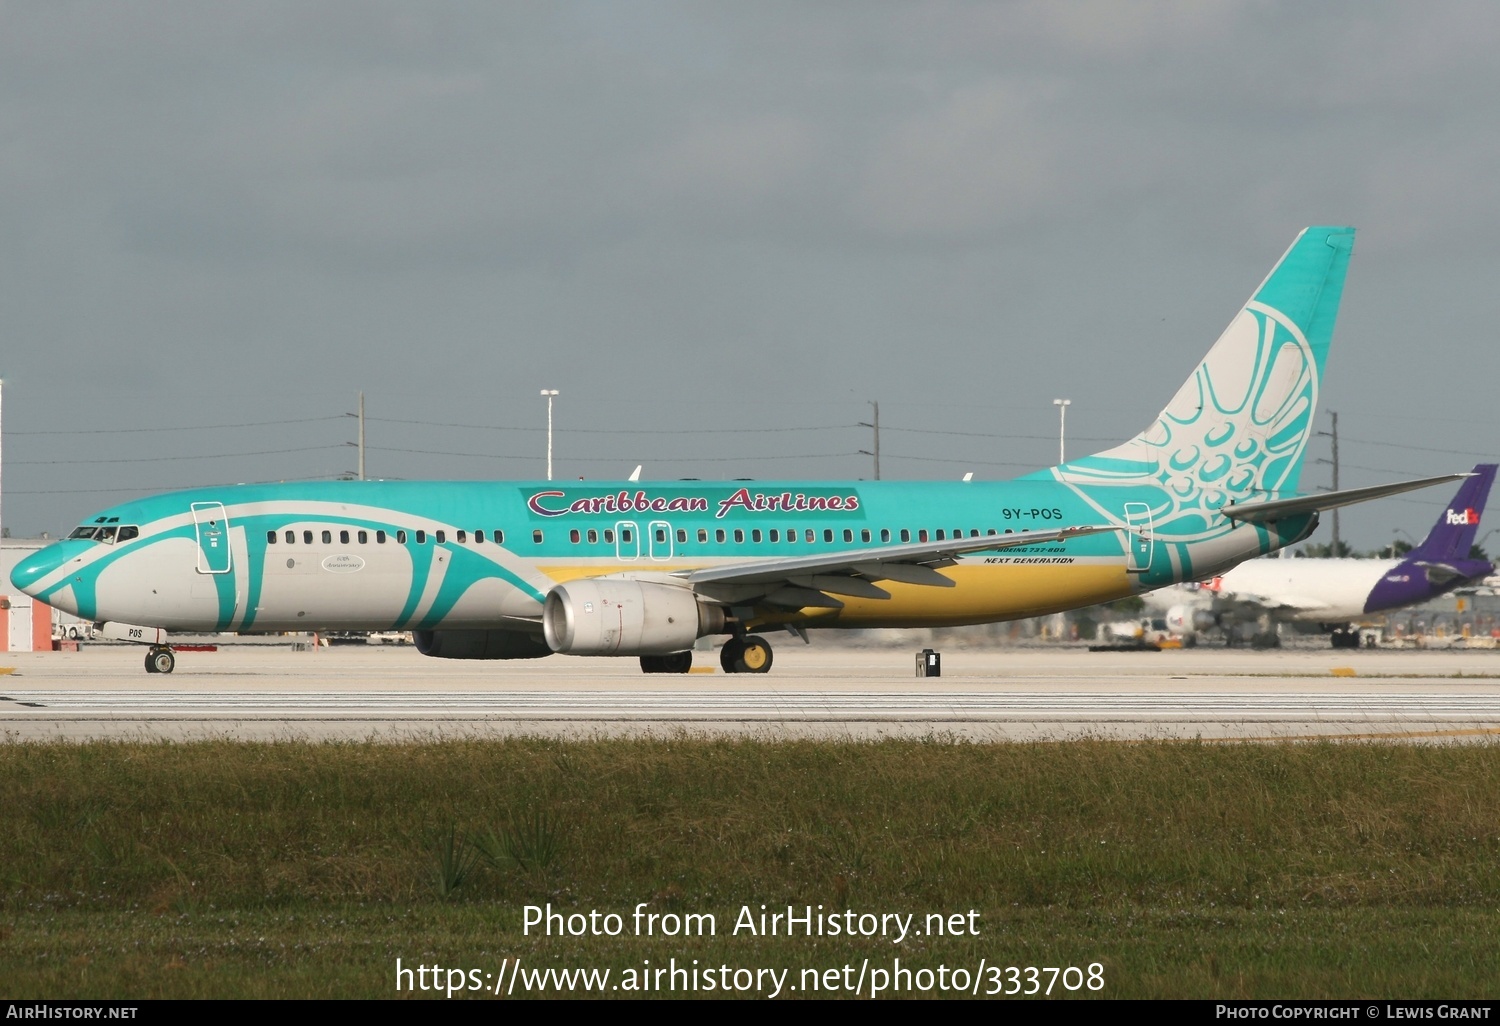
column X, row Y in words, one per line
column 380, row 555
column 519, row 569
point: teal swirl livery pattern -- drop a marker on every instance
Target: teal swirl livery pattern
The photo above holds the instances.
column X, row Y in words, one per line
column 1238, row 428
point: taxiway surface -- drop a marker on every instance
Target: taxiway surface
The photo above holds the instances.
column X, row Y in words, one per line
column 362, row 692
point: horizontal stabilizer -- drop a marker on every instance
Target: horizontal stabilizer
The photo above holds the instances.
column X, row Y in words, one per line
column 1264, row 512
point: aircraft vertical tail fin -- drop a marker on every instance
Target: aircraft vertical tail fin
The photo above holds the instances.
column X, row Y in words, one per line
column 1452, row 537
column 1238, row 428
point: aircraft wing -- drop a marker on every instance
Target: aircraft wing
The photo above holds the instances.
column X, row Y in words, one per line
column 814, row 580
column 1275, row 509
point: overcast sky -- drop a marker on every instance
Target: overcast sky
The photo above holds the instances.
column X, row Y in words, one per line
column 720, row 231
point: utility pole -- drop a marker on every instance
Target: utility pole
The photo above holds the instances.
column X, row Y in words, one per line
column 1335, row 416
column 361, row 436
column 549, row 393
column 876, row 428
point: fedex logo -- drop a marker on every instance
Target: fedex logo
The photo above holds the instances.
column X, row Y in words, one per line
column 1468, row 516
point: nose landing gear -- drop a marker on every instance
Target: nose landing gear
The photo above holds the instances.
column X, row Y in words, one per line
column 160, row 659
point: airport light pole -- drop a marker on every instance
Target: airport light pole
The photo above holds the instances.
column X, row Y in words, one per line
column 549, row 393
column 1062, row 428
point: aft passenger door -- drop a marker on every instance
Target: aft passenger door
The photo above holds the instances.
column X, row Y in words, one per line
column 212, row 526
column 1138, row 544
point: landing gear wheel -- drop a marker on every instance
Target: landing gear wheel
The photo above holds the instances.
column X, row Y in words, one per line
column 160, row 660
column 757, row 655
column 675, row 662
column 746, row 655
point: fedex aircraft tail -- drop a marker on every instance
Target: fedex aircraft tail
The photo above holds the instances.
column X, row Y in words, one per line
column 1452, row 537
column 1238, row 428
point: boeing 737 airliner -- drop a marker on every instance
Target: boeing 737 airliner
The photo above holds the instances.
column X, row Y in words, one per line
column 505, row 570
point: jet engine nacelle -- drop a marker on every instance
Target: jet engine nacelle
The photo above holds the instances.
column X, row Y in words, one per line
column 453, row 644
column 1187, row 620
column 626, row 617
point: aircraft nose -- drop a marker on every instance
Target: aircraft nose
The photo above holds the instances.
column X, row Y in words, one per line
column 31, row 572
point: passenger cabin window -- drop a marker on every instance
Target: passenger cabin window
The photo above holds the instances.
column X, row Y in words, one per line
column 625, row 535
column 343, row 537
column 498, row 536
column 885, row 534
column 609, row 536
column 421, row 537
column 703, row 535
column 905, row 534
column 574, row 537
column 681, row 535
column 661, row 535
column 306, row 537
column 364, row 537
column 536, row 537
column 939, row 534
column 400, row 537
column 270, row 537
column 460, row 536
column 291, row 537
column 755, row 535
column 922, row 534
column 864, row 535
column 327, row 537
column 478, row 537
column 775, row 535
column 593, row 536
column 828, row 534
column 719, row 535
column 811, row 536
column 739, row 534
column 848, row 535
column 440, row 536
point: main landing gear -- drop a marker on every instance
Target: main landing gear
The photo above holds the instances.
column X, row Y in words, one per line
column 750, row 654
column 159, row 659
column 676, row 662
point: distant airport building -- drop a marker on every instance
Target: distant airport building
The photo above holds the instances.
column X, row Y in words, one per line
column 26, row 625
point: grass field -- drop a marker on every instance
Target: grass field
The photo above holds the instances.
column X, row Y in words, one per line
column 1173, row 869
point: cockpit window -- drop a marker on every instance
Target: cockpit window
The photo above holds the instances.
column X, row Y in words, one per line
column 86, row 531
column 128, row 532
column 106, row 534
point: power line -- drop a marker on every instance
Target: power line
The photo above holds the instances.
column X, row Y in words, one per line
column 615, row 431
column 170, row 459
column 200, row 427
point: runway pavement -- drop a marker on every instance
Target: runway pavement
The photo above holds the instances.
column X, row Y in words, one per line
column 360, row 692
